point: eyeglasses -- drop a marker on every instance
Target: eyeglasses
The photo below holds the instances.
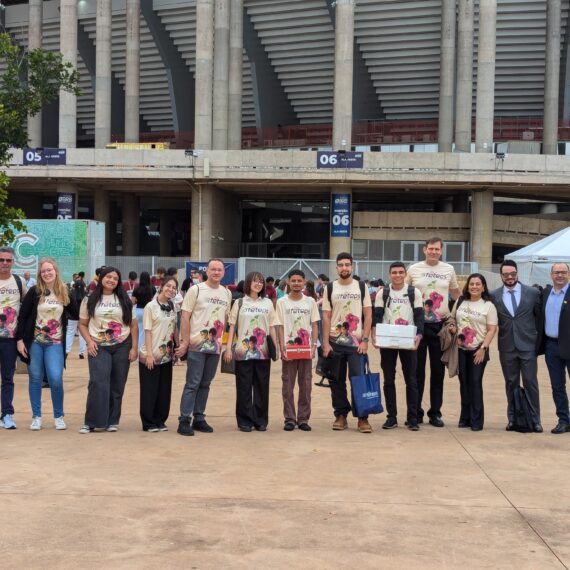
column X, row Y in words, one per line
column 4, row 260
column 257, row 283
column 511, row 274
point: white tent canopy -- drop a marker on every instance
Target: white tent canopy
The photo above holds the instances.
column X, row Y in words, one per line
column 535, row 260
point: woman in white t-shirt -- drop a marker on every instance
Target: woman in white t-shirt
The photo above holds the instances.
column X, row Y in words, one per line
column 108, row 324
column 41, row 333
column 156, row 356
column 475, row 326
column 253, row 320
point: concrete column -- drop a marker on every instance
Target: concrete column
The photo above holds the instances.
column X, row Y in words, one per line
column 482, row 227
column 131, row 217
column 102, row 213
column 340, row 244
column 549, row 208
column 552, row 77
column 486, row 57
column 343, row 74
column 165, row 233
column 103, row 74
column 221, row 74
column 35, row 33
column 132, row 71
column 68, row 48
column 69, row 188
column 236, row 76
column 464, row 97
column 204, row 73
column 447, row 76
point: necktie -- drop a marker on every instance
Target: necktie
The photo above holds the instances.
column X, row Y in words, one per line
column 514, row 302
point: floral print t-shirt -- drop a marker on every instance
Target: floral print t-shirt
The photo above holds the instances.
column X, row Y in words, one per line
column 106, row 327
column 10, row 302
column 48, row 322
column 162, row 325
column 472, row 319
column 297, row 318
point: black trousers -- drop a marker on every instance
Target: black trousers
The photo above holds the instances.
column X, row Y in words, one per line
column 156, row 389
column 430, row 343
column 471, row 388
column 252, row 392
column 346, row 360
column 408, row 359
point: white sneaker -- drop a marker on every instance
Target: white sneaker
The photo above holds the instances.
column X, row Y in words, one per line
column 85, row 429
column 9, row 422
column 112, row 428
column 59, row 423
column 36, row 424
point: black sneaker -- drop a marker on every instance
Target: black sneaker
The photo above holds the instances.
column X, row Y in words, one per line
column 390, row 423
column 413, row 426
column 245, row 429
column 304, row 427
column 560, row 428
column 184, row 427
column 260, row 428
column 289, row 426
column 202, row 426
column 436, row 421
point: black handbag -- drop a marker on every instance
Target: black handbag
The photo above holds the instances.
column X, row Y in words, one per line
column 271, row 348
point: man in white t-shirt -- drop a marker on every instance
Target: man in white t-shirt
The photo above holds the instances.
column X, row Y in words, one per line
column 400, row 304
column 346, row 304
column 12, row 291
column 205, row 310
column 436, row 280
column 298, row 317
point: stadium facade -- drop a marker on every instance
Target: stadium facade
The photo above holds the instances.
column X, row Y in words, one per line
column 460, row 109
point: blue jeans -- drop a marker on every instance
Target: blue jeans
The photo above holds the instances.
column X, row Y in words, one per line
column 557, row 368
column 48, row 357
column 70, row 336
column 8, row 355
column 199, row 375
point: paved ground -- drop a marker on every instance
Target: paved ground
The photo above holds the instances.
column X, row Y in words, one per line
column 438, row 498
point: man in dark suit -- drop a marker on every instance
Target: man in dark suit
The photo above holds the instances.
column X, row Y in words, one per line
column 556, row 340
column 518, row 308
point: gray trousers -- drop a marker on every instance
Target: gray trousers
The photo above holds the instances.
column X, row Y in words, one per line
column 199, row 375
column 516, row 365
column 108, row 373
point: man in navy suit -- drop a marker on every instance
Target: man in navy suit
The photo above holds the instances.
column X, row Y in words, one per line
column 556, row 340
column 518, row 308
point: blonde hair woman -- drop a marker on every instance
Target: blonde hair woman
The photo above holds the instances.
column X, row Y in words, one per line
column 40, row 336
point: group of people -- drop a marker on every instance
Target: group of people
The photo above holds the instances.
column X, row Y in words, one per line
column 159, row 323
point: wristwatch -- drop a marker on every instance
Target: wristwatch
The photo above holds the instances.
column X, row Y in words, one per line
column 365, row 339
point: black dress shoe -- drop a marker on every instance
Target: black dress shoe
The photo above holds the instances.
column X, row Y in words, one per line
column 560, row 428
column 436, row 422
column 464, row 425
column 260, row 428
column 304, row 427
column 510, row 427
column 289, row 426
column 245, row 429
column 537, row 428
column 203, row 426
column 476, row 428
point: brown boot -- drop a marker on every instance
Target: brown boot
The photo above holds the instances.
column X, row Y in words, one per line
column 340, row 423
column 364, row 426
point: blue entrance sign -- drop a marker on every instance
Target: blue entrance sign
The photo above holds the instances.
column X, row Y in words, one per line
column 329, row 159
column 229, row 275
column 340, row 215
column 45, row 156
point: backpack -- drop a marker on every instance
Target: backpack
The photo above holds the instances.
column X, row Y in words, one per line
column 523, row 413
column 361, row 286
column 18, row 280
column 386, row 296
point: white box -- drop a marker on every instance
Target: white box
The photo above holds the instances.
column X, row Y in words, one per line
column 402, row 337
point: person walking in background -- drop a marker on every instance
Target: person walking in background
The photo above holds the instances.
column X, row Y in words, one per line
column 204, row 313
column 254, row 319
column 131, row 283
column 518, row 310
column 297, row 317
column 41, row 335
column 156, row 280
column 156, row 357
column 475, row 326
column 310, row 290
column 30, row 281
column 555, row 329
column 347, row 320
column 270, row 291
column 12, row 291
column 436, row 280
column 77, row 293
column 108, row 324
column 142, row 295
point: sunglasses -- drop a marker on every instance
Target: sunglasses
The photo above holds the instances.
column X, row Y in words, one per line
column 4, row 260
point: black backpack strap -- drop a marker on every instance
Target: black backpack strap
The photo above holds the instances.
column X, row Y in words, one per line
column 329, row 292
column 386, row 296
column 18, row 280
column 458, row 303
column 412, row 295
column 362, row 286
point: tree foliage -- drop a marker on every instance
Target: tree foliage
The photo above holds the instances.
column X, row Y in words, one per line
column 30, row 81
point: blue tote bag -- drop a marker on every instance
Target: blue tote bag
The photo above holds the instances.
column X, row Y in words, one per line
column 366, row 397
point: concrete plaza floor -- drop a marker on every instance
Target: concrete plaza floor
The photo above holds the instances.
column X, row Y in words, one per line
column 437, row 498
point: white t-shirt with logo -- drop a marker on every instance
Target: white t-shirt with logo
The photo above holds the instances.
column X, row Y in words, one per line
column 297, row 318
column 10, row 302
column 209, row 308
column 435, row 282
column 472, row 319
column 346, row 312
column 47, row 329
column 399, row 310
column 162, row 325
column 106, row 327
